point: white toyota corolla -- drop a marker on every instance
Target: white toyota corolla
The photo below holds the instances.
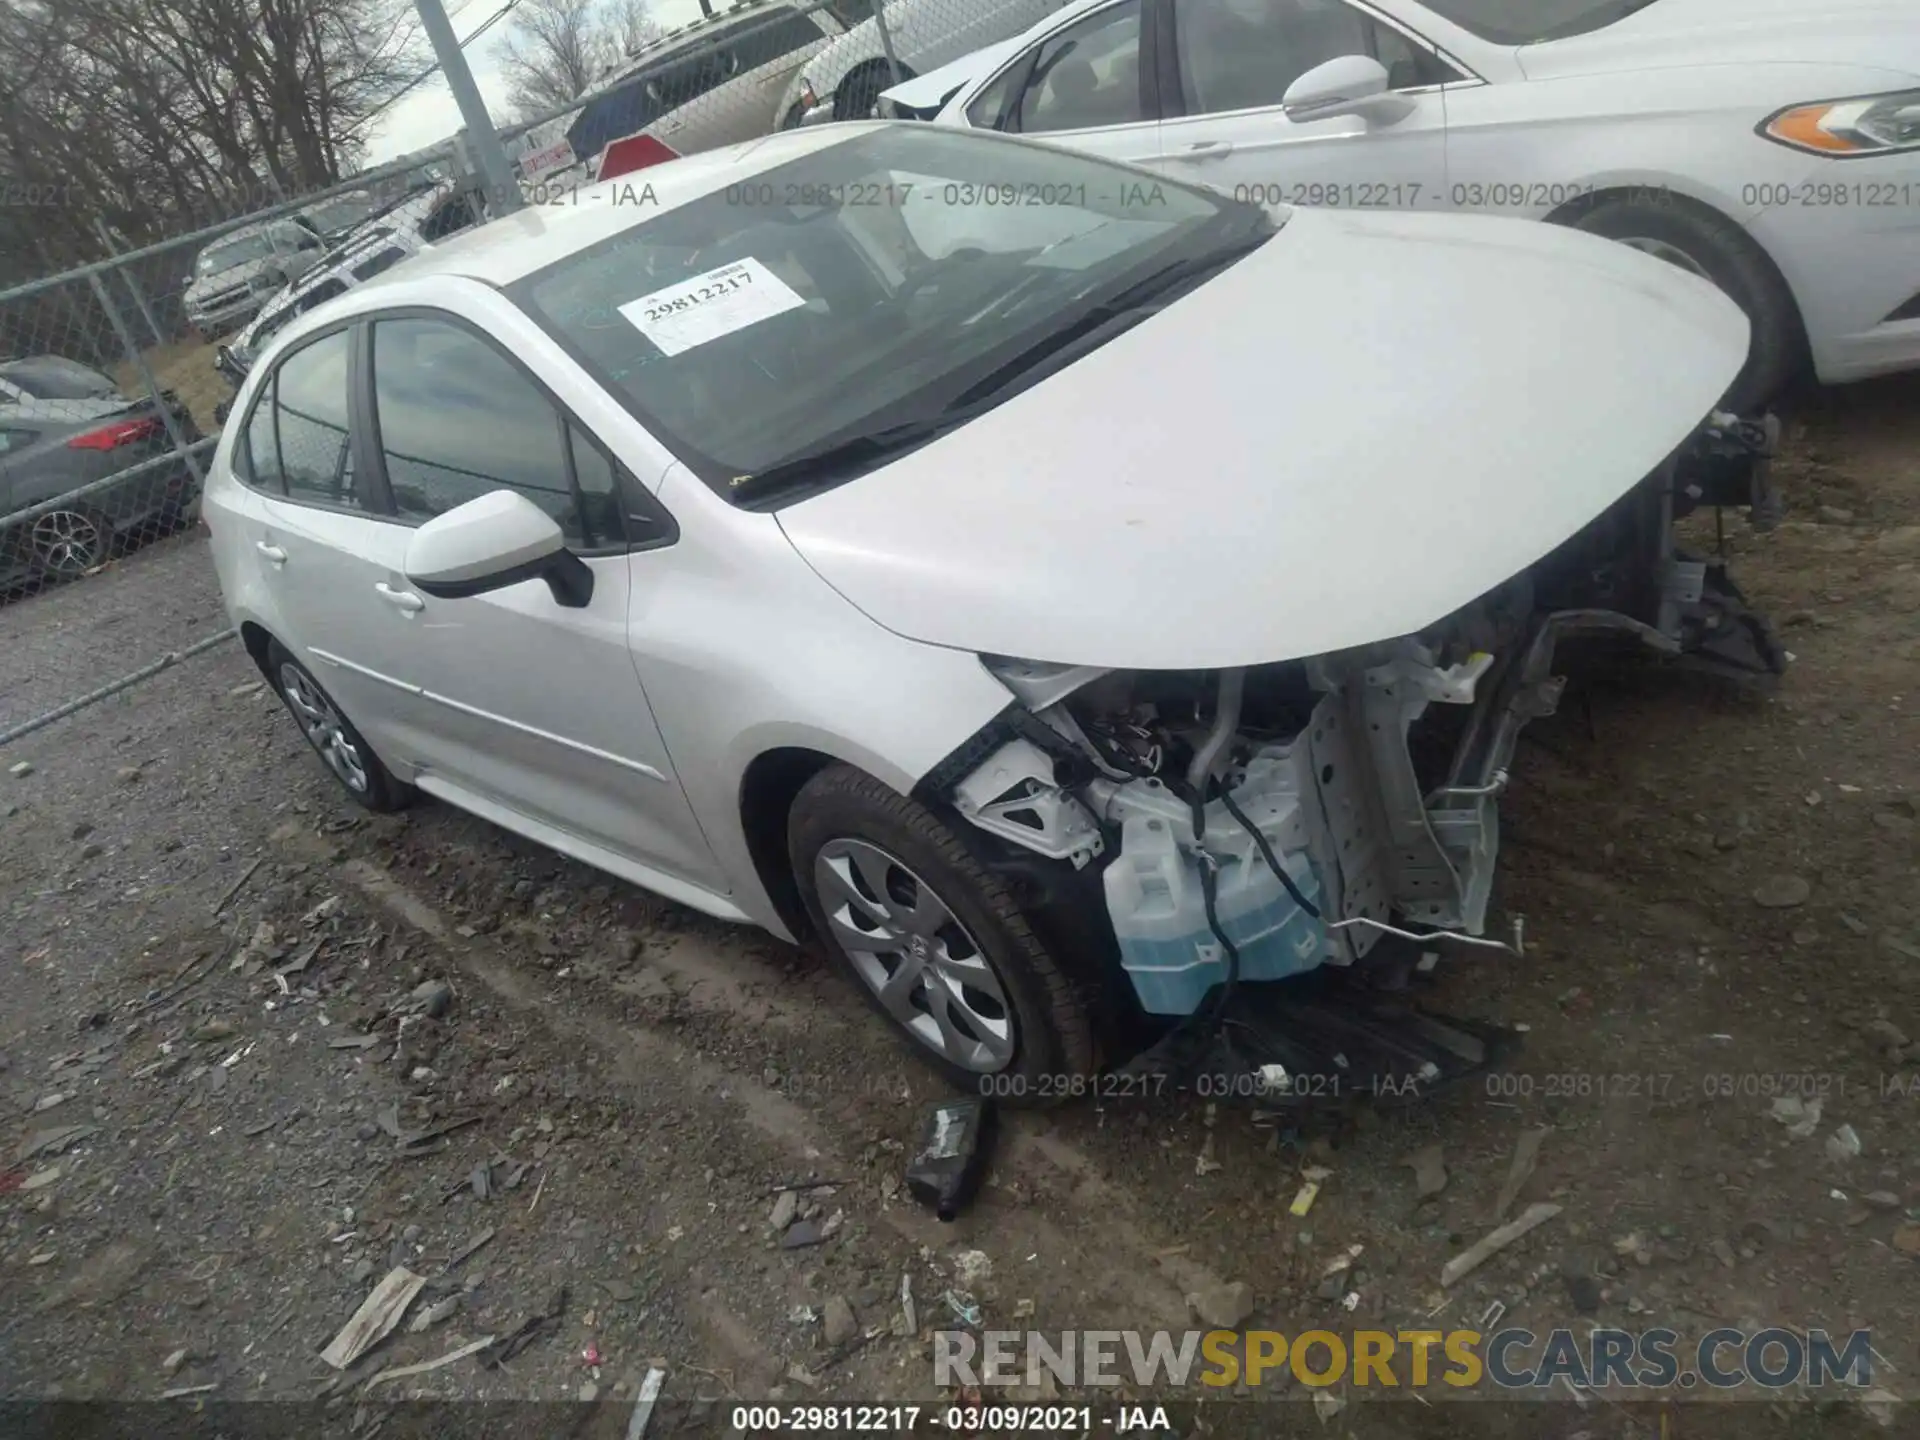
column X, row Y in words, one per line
column 1771, row 145
column 1080, row 616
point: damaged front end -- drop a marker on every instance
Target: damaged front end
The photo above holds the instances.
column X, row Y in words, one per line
column 1280, row 847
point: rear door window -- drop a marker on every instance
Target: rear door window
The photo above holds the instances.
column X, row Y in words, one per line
column 296, row 438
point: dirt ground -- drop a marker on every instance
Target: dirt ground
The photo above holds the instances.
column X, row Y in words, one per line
column 186, row 368
column 213, row 968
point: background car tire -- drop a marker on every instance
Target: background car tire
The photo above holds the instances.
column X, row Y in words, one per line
column 305, row 699
column 1714, row 246
column 859, row 93
column 66, row 544
column 1051, row 1033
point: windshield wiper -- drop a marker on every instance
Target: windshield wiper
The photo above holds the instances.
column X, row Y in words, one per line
column 1088, row 330
column 1135, row 302
column 856, row 452
column 841, row 459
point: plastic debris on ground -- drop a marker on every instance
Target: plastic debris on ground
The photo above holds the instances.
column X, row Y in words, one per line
column 951, row 1158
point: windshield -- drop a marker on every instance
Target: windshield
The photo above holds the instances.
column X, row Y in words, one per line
column 236, row 251
column 339, row 214
column 1527, row 22
column 866, row 284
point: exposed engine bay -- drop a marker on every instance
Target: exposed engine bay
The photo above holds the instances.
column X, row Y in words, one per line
column 1254, row 824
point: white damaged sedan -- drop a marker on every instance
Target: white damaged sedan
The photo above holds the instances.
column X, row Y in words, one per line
column 1092, row 620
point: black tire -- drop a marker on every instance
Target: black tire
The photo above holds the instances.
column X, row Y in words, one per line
column 1050, row 1036
column 859, row 93
column 1726, row 255
column 65, row 544
column 375, row 789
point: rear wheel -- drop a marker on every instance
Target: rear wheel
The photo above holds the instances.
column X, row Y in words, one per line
column 859, row 94
column 334, row 739
column 1713, row 247
column 64, row 544
column 934, row 941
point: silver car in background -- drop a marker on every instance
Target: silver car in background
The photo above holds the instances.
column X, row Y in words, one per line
column 235, row 275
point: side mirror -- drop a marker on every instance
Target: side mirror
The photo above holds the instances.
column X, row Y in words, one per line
column 500, row 539
column 1344, row 85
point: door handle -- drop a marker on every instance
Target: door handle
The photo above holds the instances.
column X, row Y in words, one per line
column 1207, row 150
column 400, row 599
column 272, row 552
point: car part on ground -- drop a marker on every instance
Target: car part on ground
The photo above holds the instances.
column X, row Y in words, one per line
column 950, row 1161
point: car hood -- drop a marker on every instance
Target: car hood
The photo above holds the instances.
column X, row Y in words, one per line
column 1881, row 35
column 221, row 280
column 1359, row 428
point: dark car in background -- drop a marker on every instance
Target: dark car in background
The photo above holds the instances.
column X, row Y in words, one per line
column 51, row 377
column 62, row 511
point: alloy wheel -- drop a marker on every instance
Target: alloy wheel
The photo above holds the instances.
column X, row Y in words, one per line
column 324, row 728
column 1665, row 250
column 66, row 543
column 912, row 952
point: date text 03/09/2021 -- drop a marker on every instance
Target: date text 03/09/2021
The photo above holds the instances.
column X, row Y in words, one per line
column 903, row 1420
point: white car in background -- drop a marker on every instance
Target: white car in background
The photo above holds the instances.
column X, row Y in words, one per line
column 1772, row 146
column 359, row 260
column 844, row 81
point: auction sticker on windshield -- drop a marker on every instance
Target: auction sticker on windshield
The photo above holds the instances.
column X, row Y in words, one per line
column 711, row 305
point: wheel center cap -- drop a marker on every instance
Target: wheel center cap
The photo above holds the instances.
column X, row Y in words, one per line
column 917, row 947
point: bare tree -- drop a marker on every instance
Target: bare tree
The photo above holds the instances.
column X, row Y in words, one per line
column 556, row 50
column 154, row 116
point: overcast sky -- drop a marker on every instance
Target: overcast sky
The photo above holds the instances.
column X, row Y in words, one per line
column 427, row 114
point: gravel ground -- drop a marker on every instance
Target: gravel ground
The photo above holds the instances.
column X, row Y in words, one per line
column 255, row 1001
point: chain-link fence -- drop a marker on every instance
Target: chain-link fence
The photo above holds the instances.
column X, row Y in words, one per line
column 114, row 381
column 118, row 364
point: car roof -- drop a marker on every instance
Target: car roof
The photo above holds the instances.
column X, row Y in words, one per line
column 692, row 33
column 47, row 365
column 504, row 250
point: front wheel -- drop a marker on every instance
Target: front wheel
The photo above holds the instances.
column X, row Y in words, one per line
column 1713, row 247
column 935, row 942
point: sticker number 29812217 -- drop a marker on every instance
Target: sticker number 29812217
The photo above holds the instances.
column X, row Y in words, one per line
column 710, row 305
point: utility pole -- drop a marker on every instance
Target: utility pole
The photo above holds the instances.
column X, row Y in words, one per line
column 496, row 171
